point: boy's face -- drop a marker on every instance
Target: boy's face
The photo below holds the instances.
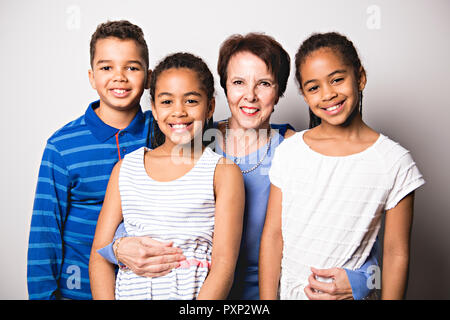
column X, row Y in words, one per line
column 119, row 73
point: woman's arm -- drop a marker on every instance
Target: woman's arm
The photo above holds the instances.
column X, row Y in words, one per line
column 143, row 255
column 347, row 284
column 271, row 248
column 230, row 198
column 397, row 232
column 101, row 272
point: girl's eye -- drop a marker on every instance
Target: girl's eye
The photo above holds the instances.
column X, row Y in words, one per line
column 133, row 68
column 191, row 101
column 337, row 80
column 165, row 102
column 106, row 68
column 313, row 88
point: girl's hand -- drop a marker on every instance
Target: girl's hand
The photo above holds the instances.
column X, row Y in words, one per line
column 147, row 257
column 338, row 289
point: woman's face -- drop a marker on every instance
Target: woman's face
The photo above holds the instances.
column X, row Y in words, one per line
column 251, row 91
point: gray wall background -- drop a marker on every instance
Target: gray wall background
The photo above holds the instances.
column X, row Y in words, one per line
column 404, row 46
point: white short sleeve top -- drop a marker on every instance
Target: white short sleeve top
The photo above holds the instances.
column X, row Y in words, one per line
column 332, row 206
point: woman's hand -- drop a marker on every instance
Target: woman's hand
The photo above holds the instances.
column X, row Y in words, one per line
column 338, row 289
column 147, row 257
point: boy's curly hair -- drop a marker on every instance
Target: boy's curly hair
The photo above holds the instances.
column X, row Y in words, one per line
column 123, row 30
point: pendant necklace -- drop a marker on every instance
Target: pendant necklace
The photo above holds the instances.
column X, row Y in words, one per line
column 236, row 160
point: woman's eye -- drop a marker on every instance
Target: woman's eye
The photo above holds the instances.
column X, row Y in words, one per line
column 238, row 82
column 265, row 83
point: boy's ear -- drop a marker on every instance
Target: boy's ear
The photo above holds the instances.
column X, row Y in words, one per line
column 362, row 79
column 91, row 79
column 147, row 82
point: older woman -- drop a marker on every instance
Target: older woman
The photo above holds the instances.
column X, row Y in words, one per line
column 253, row 71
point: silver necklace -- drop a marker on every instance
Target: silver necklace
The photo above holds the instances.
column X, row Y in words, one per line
column 235, row 158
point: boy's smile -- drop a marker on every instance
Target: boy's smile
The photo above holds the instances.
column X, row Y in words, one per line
column 120, row 93
column 119, row 74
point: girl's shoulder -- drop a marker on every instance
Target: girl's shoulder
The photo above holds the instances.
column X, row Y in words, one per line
column 227, row 172
column 392, row 153
column 292, row 139
column 387, row 147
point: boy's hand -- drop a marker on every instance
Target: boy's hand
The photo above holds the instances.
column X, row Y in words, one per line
column 338, row 289
column 147, row 257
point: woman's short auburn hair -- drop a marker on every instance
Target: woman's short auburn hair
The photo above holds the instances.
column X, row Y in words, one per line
column 263, row 46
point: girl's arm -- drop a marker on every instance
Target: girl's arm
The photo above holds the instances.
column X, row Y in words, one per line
column 230, row 198
column 101, row 272
column 397, row 233
column 271, row 248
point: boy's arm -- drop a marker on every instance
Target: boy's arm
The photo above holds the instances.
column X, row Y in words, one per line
column 230, row 200
column 270, row 251
column 397, row 231
column 45, row 252
column 101, row 272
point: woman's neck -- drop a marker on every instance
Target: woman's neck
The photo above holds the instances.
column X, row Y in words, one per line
column 239, row 141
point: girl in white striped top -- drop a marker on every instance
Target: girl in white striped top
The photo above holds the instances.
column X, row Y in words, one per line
column 331, row 184
column 180, row 192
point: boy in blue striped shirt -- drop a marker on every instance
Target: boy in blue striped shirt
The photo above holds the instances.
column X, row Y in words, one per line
column 78, row 160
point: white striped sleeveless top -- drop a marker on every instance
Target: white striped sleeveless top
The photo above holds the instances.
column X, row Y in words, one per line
column 182, row 211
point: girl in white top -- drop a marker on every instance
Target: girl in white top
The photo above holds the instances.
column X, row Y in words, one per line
column 180, row 192
column 331, row 184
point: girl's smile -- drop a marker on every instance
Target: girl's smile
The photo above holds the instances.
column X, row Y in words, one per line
column 181, row 127
column 334, row 109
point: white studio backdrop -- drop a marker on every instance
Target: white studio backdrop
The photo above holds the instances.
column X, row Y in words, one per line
column 403, row 45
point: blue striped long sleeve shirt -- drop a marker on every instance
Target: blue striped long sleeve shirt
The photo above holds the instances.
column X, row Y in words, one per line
column 73, row 176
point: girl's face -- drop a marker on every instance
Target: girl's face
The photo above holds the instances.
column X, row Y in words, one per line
column 181, row 106
column 330, row 87
column 251, row 91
